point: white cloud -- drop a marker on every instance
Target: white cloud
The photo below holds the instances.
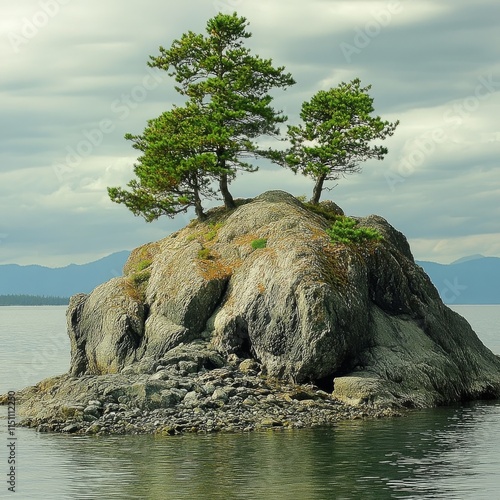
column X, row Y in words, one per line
column 448, row 250
column 87, row 64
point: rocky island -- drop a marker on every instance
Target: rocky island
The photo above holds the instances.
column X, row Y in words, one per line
column 256, row 318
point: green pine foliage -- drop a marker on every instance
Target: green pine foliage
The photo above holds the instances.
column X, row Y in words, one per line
column 345, row 230
column 192, row 152
column 174, row 172
column 208, row 139
column 336, row 135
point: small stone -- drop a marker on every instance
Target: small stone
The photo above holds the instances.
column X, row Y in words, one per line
column 208, row 389
column 191, row 398
column 248, row 366
column 188, row 366
column 270, row 422
column 93, row 429
column 160, row 375
column 300, row 394
column 233, row 359
column 322, row 394
column 220, row 394
column 71, row 428
column 250, row 401
column 307, row 402
column 92, row 410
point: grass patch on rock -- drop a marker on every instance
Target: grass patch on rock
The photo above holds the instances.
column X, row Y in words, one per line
column 141, row 258
column 259, row 243
column 213, row 229
column 140, row 277
column 204, row 254
column 327, row 210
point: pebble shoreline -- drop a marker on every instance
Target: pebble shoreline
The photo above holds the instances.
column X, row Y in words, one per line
column 190, row 399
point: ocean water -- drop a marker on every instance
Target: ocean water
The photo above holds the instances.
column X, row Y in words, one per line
column 449, row 453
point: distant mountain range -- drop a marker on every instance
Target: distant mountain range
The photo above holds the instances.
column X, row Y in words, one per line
column 471, row 280
column 60, row 281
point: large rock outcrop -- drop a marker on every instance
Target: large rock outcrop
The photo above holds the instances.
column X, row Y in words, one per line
column 361, row 320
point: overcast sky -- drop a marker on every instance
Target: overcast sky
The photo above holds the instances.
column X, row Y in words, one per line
column 74, row 80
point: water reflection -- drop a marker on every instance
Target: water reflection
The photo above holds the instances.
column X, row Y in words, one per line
column 441, row 453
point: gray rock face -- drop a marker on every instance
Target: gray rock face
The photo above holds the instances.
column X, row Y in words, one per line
column 105, row 328
column 265, row 282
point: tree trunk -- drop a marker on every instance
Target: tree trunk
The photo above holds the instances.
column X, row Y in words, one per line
column 318, row 189
column 223, row 182
column 198, row 207
column 228, row 199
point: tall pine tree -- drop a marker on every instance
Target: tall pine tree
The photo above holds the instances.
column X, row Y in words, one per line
column 228, row 108
column 336, row 136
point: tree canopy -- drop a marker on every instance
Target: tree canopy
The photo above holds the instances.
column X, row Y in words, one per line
column 228, row 107
column 193, row 148
column 175, row 170
column 337, row 134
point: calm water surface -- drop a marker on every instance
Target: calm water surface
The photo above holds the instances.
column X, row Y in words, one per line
column 450, row 453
